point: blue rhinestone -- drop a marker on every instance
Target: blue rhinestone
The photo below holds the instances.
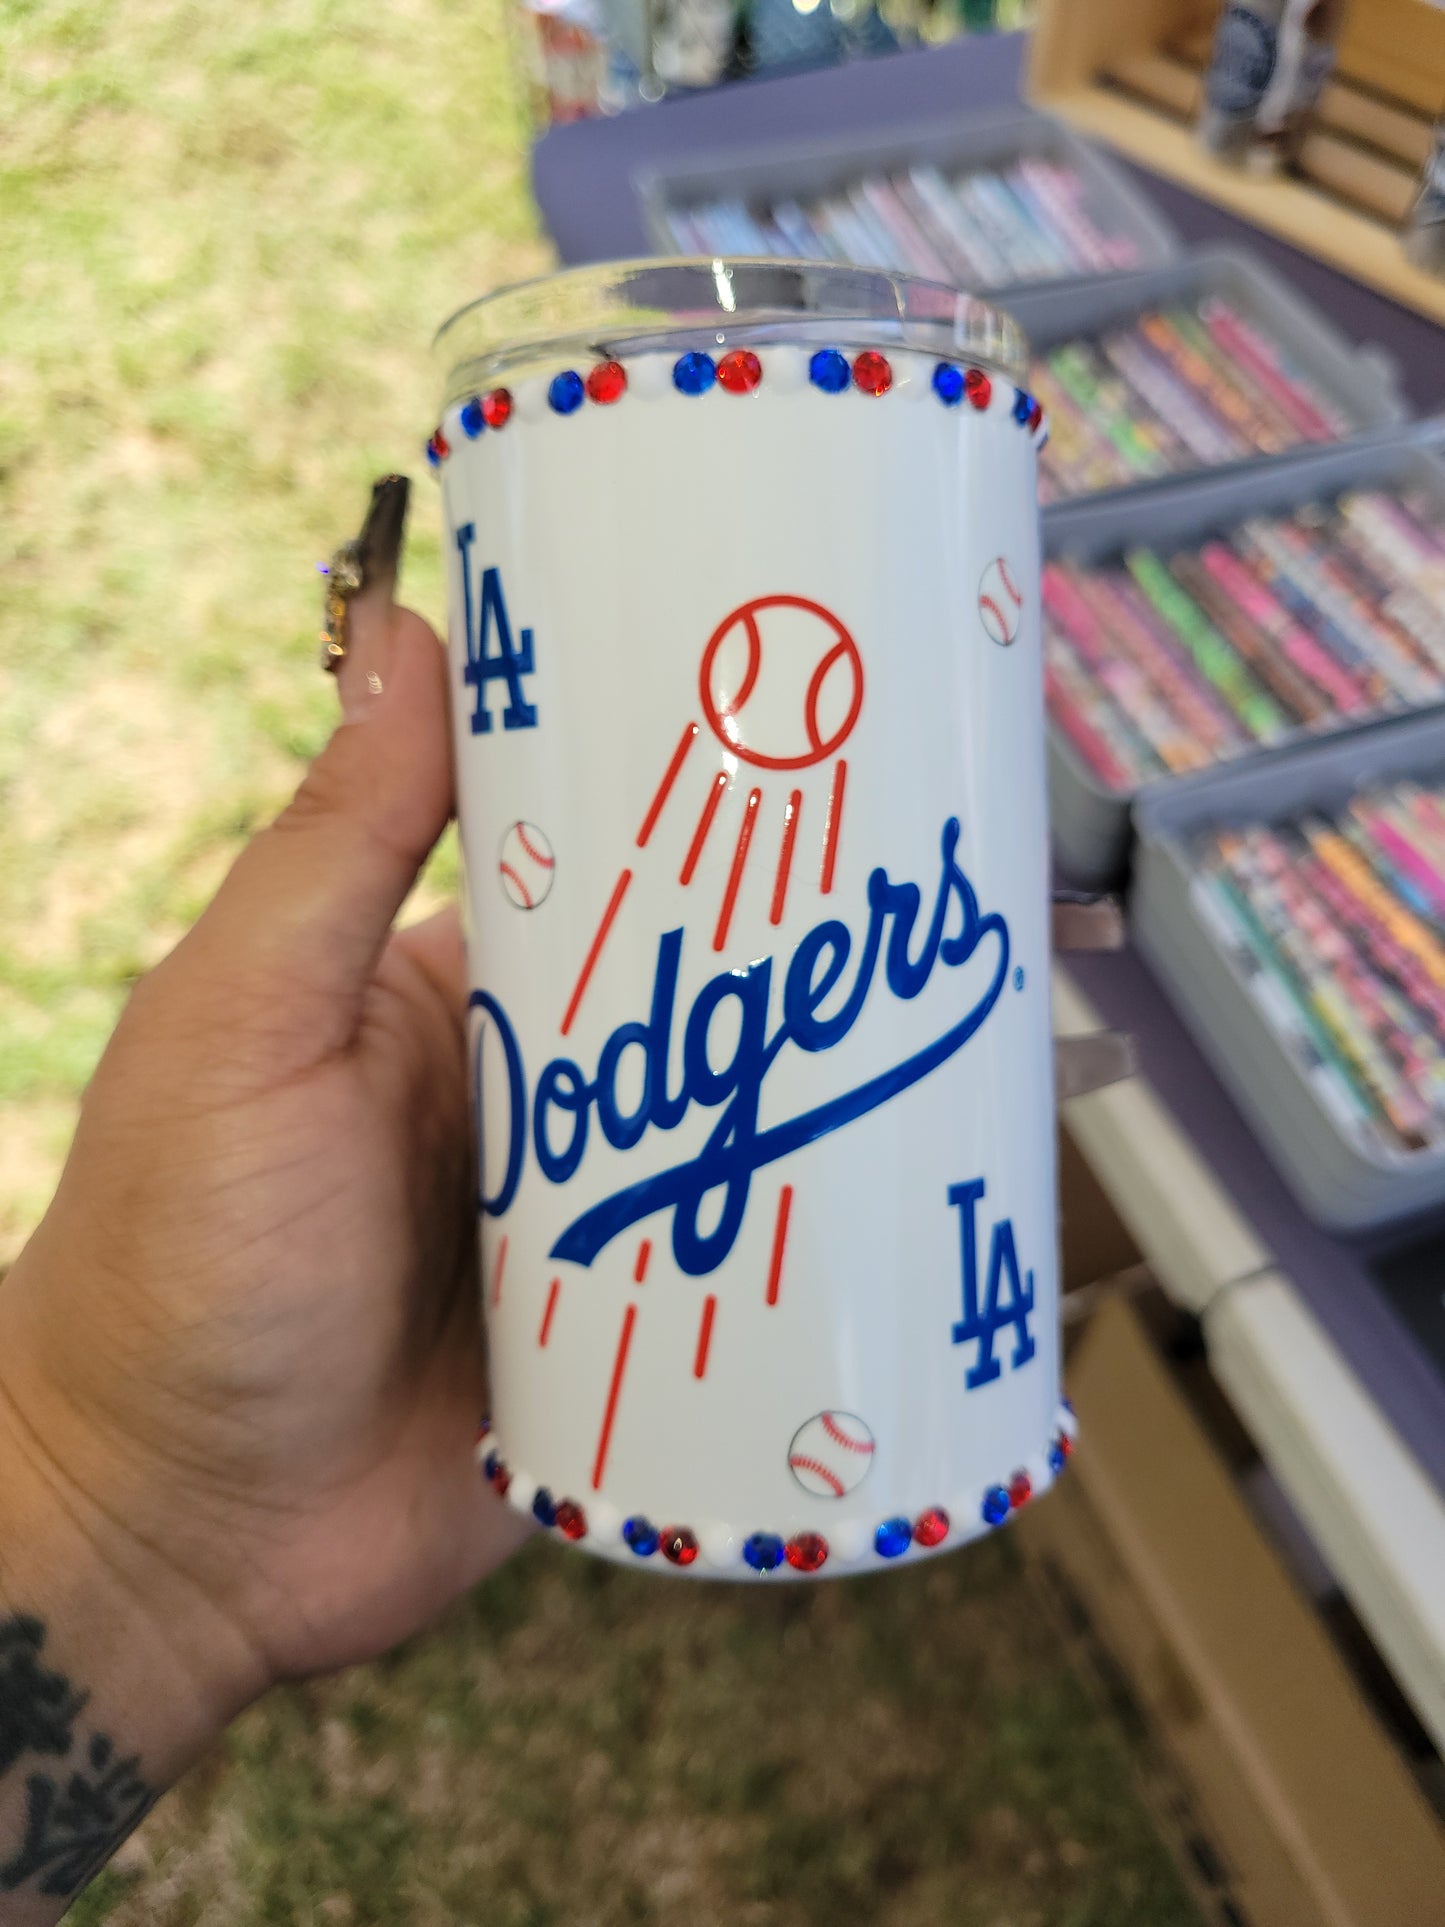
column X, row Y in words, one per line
column 1058, row 1458
column 763, row 1551
column 829, row 371
column 893, row 1537
column 948, row 383
column 492, row 1464
column 1023, row 407
column 544, row 1507
column 472, row 419
column 694, row 373
column 567, row 392
column 995, row 1505
column 641, row 1535
column 433, row 455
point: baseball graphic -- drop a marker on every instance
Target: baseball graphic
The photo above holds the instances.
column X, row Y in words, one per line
column 807, row 663
column 831, row 1454
column 999, row 602
column 527, row 866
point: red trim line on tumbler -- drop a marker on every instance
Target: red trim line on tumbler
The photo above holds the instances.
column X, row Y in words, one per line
column 704, row 1337
column 664, row 788
column 704, row 824
column 785, row 856
column 552, row 1295
column 780, row 1239
column 735, row 875
column 589, row 962
column 624, row 1342
column 833, row 824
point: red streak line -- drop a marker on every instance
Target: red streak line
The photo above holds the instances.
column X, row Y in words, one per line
column 704, row 1337
column 546, row 1331
column 780, row 1239
column 830, row 831
column 704, row 824
column 629, row 1319
column 497, row 1274
column 644, row 1252
column 590, row 961
column 664, row 788
column 740, row 857
column 785, row 856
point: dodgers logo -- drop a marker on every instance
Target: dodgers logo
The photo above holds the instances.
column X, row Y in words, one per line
column 809, row 1001
column 557, row 1117
column 510, row 663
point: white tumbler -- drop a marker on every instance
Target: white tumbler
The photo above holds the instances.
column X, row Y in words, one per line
column 747, row 688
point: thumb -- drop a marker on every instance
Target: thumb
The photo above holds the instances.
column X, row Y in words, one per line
column 299, row 923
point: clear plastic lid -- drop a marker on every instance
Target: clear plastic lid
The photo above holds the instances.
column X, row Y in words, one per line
column 629, row 307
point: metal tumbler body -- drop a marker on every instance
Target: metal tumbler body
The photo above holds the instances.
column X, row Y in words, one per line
column 747, row 687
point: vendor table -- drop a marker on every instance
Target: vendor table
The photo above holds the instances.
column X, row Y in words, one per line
column 1332, row 1353
column 584, row 174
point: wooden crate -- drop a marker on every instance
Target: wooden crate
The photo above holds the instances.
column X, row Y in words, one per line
column 1130, row 71
column 1294, row 1797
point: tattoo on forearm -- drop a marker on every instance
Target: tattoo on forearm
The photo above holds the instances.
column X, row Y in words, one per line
column 37, row 1709
column 77, row 1813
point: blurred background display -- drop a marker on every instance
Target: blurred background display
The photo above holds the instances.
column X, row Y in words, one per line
column 588, row 57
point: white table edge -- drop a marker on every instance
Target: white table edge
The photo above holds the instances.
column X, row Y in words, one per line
column 1375, row 1514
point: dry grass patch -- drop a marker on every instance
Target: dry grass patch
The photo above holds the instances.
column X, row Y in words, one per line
column 601, row 1748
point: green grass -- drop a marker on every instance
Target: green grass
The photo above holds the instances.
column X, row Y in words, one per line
column 227, row 236
column 579, row 1744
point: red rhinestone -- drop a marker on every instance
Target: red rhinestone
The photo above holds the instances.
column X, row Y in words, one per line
column 440, row 443
column 1066, row 1445
column 1020, row 1489
column 497, row 408
column 931, row 1528
column 807, row 1551
column 607, row 381
column 1036, row 415
column 571, row 1520
column 871, row 372
column 502, row 1483
column 679, row 1545
column 978, row 388
column 739, row 372
column 483, row 1429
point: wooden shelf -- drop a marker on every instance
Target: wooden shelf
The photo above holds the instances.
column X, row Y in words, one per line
column 1366, row 249
column 1128, row 73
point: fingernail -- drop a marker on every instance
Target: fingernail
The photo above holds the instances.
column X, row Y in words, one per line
column 361, row 679
column 362, row 675
column 382, row 533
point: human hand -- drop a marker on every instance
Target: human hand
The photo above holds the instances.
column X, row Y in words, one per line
column 242, row 1355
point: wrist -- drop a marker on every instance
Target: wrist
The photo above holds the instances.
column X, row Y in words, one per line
column 164, row 1666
